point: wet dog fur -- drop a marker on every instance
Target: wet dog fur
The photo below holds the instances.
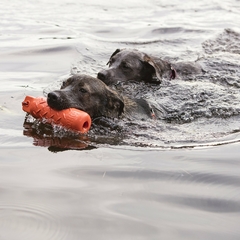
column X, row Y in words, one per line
column 131, row 64
column 93, row 96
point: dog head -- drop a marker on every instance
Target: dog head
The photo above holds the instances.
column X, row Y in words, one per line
column 87, row 94
column 128, row 64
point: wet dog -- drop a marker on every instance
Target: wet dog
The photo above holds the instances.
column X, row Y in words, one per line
column 97, row 99
column 131, row 64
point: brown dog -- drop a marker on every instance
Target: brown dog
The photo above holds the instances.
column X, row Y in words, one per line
column 97, row 99
column 131, row 64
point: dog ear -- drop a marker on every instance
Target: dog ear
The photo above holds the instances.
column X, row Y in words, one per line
column 157, row 70
column 114, row 53
column 159, row 67
column 114, row 105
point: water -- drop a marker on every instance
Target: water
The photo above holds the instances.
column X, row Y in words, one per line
column 176, row 178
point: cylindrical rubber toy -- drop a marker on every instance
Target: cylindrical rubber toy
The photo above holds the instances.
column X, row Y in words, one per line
column 70, row 118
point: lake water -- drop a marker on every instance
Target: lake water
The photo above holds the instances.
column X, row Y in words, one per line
column 176, row 178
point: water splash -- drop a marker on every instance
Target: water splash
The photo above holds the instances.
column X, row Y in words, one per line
column 195, row 110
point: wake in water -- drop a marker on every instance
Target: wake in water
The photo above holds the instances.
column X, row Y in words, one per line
column 195, row 110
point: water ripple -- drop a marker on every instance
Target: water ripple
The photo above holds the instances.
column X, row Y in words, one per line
column 204, row 204
column 29, row 222
column 189, row 177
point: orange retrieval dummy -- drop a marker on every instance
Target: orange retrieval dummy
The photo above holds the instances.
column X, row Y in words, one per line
column 70, row 118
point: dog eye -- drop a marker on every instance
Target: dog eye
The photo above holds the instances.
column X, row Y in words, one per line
column 82, row 90
column 125, row 66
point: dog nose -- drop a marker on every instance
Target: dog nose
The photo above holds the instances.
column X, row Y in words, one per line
column 101, row 76
column 52, row 97
column 55, row 100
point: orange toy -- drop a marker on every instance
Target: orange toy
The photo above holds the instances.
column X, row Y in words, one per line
column 71, row 118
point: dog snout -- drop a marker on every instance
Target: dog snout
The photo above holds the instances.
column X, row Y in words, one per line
column 52, row 96
column 106, row 76
column 53, row 99
column 102, row 75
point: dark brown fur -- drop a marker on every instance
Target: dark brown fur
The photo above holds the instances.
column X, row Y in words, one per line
column 97, row 99
column 131, row 64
